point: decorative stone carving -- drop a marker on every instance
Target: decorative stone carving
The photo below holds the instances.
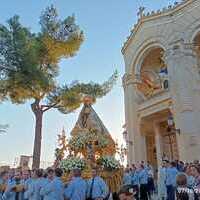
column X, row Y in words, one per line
column 130, row 79
column 144, row 17
column 181, row 60
column 141, row 12
column 171, row 31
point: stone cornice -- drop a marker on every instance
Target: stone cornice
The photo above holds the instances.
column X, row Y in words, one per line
column 161, row 103
column 166, row 11
column 128, row 79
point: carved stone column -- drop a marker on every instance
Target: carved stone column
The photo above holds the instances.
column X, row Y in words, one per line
column 136, row 150
column 182, row 61
column 158, row 140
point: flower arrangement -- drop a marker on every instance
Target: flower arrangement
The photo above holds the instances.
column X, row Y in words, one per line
column 109, row 162
column 71, row 163
column 80, row 140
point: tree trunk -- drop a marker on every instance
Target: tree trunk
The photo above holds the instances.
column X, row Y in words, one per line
column 38, row 134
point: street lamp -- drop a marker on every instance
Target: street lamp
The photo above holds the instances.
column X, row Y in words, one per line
column 171, row 125
column 125, row 136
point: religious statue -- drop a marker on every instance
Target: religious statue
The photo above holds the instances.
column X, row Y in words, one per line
column 90, row 152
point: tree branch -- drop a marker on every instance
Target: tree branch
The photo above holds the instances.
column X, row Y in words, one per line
column 48, row 107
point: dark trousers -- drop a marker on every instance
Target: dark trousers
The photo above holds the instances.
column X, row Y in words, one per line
column 143, row 192
column 136, row 188
column 170, row 192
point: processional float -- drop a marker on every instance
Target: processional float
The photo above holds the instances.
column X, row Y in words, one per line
column 90, row 145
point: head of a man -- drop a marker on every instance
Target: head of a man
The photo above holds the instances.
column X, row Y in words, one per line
column 127, row 170
column 126, row 193
column 94, row 172
column 173, row 164
column 58, row 172
column 164, row 163
column 196, row 162
column 77, row 173
column 17, row 175
column 50, row 173
column 4, row 176
column 141, row 167
column 11, row 173
column 134, row 168
column 38, row 173
column 26, row 174
column 195, row 171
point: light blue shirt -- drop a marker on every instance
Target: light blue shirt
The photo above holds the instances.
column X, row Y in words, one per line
column 26, row 184
column 127, row 179
column 190, row 181
column 99, row 189
column 135, row 178
column 143, row 176
column 29, row 193
column 9, row 194
column 76, row 190
column 53, row 190
column 33, row 192
column 171, row 174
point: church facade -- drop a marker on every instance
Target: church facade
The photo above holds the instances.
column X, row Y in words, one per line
column 162, row 85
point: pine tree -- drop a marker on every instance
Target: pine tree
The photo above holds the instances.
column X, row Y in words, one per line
column 29, row 68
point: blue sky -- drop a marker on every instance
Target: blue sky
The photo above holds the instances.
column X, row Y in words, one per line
column 106, row 24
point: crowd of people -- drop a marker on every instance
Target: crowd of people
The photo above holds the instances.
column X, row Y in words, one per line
column 48, row 185
column 175, row 180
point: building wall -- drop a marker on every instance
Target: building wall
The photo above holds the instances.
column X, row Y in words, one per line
column 173, row 31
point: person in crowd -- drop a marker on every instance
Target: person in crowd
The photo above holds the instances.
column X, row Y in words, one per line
column 29, row 190
column 196, row 162
column 171, row 173
column 14, row 190
column 45, row 190
column 150, row 184
column 183, row 192
column 37, row 184
column 162, row 192
column 181, row 166
column 127, row 192
column 190, row 178
column 149, row 166
column 195, row 172
column 26, row 180
column 50, row 174
column 135, row 181
column 55, row 188
column 97, row 188
column 77, row 188
column 127, row 177
column 40, row 182
column 143, row 180
column 11, row 175
column 3, row 182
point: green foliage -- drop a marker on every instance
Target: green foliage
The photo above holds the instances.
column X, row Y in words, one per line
column 21, row 73
column 29, row 63
column 68, row 98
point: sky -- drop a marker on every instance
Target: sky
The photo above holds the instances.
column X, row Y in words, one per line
column 106, row 24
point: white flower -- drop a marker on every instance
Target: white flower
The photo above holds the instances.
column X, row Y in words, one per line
column 71, row 163
column 109, row 162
